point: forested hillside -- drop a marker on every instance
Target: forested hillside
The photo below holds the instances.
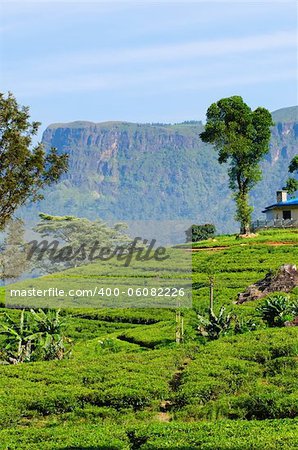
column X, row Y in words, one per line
column 129, row 171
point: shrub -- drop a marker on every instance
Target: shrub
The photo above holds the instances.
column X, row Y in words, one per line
column 276, row 310
column 215, row 325
column 34, row 336
column 197, row 233
column 267, row 404
column 219, row 435
column 109, row 345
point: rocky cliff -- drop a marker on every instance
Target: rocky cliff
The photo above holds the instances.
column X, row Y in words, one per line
column 129, row 171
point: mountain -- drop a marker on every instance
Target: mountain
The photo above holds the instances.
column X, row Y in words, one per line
column 286, row 114
column 132, row 171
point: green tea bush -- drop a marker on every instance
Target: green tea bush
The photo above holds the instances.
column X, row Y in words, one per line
column 105, row 399
column 66, row 436
column 267, row 403
column 119, row 380
column 151, row 336
column 219, row 435
column 222, row 378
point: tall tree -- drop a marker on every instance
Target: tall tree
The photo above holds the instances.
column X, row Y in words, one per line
column 292, row 183
column 241, row 137
column 79, row 238
column 24, row 168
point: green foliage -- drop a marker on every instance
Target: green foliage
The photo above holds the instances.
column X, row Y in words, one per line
column 291, row 186
column 127, row 379
column 109, row 345
column 227, row 373
column 137, row 316
column 292, row 183
column 244, row 326
column 50, row 328
column 241, row 137
column 65, row 436
column 151, row 336
column 79, row 238
column 236, row 264
column 197, row 233
column 219, row 435
column 19, row 338
column 293, row 167
column 295, row 308
column 216, row 325
column 23, row 170
column 276, row 310
column 235, row 392
column 35, row 336
column 13, row 254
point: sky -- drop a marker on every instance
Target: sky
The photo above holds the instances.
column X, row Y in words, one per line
column 146, row 61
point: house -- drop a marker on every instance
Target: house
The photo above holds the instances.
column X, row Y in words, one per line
column 284, row 212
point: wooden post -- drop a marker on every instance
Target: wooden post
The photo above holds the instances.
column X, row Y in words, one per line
column 182, row 328
column 178, row 320
column 211, row 299
column 179, row 326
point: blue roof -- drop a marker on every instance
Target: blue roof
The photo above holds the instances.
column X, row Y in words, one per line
column 291, row 202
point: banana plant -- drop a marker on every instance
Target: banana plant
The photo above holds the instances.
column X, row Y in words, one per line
column 51, row 326
column 19, row 338
column 39, row 335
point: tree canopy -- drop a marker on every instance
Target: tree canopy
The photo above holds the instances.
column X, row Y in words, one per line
column 241, row 137
column 78, row 236
column 24, row 168
column 292, row 183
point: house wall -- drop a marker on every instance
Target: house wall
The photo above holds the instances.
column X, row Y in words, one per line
column 277, row 213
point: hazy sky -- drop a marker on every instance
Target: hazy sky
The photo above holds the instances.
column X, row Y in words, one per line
column 144, row 62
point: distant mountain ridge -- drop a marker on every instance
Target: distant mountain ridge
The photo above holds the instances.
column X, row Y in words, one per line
column 289, row 114
column 130, row 171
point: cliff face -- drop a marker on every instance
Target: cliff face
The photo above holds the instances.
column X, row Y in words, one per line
column 110, row 151
column 284, row 135
column 283, row 147
column 137, row 171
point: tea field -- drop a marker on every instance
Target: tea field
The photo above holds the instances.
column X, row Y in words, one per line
column 127, row 384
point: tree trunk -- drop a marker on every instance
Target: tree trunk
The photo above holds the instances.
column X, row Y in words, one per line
column 243, row 211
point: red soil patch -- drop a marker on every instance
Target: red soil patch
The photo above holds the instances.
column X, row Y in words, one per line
column 202, row 249
column 276, row 244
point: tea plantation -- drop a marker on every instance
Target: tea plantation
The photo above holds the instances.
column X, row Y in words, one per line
column 127, row 384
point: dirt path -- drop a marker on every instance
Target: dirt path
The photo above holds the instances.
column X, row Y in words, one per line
column 166, row 406
column 277, row 244
column 202, row 249
column 226, row 247
column 164, row 415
